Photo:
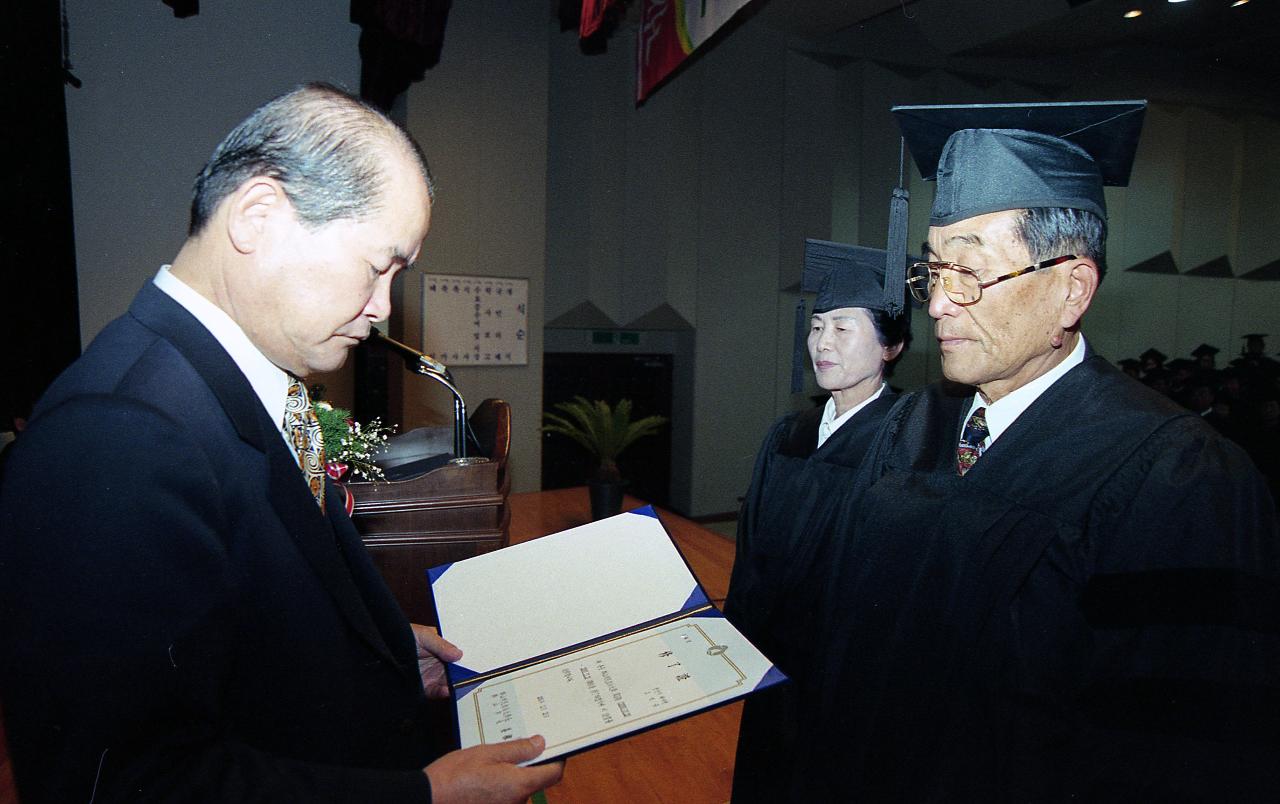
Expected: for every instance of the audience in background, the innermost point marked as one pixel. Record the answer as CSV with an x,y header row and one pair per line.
x,y
1241,400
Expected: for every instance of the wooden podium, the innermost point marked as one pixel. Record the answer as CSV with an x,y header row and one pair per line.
x,y
447,514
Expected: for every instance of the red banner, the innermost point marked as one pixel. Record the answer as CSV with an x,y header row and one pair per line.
x,y
592,16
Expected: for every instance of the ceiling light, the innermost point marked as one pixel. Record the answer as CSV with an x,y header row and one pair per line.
x,y
1239,3
1177,1
1133,13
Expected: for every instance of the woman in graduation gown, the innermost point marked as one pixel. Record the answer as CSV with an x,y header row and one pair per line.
x,y
806,463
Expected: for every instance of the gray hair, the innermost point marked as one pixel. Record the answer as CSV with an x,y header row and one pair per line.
x,y
1050,232
327,148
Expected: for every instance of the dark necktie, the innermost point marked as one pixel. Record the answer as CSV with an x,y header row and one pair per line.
x,y
975,432
303,429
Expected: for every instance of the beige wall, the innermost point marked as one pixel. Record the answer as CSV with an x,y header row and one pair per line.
x,y
699,199
679,202
158,94
481,117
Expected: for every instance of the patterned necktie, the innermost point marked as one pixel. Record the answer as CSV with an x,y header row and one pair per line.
x,y
975,432
303,429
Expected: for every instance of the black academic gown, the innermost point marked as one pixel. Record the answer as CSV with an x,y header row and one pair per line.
x,y
1088,614
796,488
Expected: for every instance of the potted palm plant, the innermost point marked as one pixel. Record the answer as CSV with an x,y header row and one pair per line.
x,y
604,431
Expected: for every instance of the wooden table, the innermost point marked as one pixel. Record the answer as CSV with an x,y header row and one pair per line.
x,y
688,762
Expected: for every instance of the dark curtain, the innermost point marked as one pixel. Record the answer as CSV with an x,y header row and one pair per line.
x,y
399,41
38,301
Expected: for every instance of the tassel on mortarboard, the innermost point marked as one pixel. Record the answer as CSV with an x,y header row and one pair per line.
x,y
799,349
896,248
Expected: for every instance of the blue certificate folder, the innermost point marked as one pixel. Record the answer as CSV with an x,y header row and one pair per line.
x,y
587,636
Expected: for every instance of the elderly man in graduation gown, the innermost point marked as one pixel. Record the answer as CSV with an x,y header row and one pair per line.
x,y
1052,584
186,611
804,468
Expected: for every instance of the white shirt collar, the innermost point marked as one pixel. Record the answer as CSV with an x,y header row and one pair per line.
x,y
269,381
830,422
1005,411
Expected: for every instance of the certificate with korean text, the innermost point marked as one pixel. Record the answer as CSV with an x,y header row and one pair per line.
x,y
586,636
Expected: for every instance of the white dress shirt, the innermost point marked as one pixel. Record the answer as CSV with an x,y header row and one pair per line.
x,y
269,381
830,422
1004,411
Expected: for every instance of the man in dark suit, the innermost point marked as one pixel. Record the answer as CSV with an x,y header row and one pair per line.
x,y
186,612
1050,583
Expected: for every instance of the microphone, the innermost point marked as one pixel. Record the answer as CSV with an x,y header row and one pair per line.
x,y
428,366
416,361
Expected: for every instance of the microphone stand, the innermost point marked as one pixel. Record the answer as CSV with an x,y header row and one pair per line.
x,y
428,366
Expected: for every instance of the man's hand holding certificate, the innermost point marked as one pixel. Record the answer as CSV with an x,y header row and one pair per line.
x,y
586,636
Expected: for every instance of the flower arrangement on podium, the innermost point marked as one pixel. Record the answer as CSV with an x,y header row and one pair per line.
x,y
349,446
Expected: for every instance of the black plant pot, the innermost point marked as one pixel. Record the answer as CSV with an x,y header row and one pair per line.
x,y
606,497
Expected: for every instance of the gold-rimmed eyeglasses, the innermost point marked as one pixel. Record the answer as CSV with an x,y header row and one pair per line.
x,y
961,284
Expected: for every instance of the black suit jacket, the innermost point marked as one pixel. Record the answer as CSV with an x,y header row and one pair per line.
x,y
178,619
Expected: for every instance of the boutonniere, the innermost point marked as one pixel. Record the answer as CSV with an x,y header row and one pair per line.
x,y
349,446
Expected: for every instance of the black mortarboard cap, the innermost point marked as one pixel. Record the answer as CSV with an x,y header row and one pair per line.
x,y
996,157
1153,354
1203,350
1129,363
1252,336
843,276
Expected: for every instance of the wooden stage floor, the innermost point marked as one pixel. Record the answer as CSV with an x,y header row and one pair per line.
x,y
689,762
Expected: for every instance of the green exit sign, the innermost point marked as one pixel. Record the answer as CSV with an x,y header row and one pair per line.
x,y
629,338
598,336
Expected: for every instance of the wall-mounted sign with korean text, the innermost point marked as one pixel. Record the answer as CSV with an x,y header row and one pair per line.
x,y
476,320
